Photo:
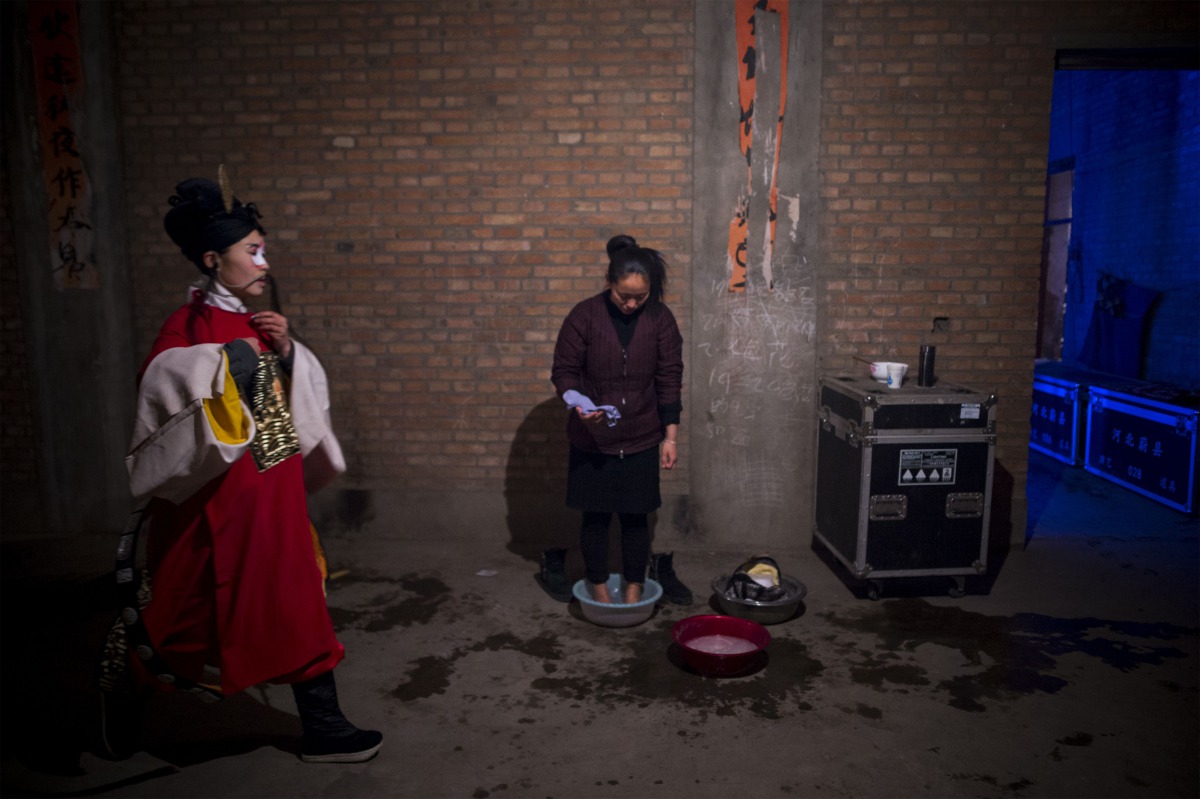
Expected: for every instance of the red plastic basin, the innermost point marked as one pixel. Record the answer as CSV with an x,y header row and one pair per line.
x,y
721,646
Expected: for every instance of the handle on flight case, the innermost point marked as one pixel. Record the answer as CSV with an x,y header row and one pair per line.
x,y
888,507
845,429
964,506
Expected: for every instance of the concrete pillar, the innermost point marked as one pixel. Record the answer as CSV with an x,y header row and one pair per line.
x,y
753,352
80,341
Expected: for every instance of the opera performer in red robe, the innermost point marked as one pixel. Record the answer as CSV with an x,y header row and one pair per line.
x,y
232,432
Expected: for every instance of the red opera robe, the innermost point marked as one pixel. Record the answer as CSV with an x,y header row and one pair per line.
x,y
234,577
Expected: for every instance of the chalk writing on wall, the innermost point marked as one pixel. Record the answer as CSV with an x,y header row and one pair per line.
x,y
58,80
748,64
751,351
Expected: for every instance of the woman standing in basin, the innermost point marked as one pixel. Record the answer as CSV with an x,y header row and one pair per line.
x,y
619,362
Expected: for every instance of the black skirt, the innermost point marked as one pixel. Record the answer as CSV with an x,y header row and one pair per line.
x,y
607,483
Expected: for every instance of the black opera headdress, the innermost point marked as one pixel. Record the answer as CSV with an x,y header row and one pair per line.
x,y
206,216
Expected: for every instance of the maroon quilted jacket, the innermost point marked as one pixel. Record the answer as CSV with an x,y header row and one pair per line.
x,y
588,357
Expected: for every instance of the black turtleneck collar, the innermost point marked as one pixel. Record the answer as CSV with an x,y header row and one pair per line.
x,y
623,322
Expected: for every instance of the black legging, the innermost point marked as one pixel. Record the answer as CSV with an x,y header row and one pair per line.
x,y
635,545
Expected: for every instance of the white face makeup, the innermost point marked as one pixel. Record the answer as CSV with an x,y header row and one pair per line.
x,y
260,256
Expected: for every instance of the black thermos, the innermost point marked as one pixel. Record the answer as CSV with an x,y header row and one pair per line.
x,y
925,366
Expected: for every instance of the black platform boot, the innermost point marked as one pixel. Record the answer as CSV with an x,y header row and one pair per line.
x,y
553,576
328,736
662,571
121,721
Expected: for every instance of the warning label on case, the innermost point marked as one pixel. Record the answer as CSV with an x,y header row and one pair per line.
x,y
928,466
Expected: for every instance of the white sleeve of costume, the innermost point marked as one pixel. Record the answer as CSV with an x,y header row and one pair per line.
x,y
174,450
309,401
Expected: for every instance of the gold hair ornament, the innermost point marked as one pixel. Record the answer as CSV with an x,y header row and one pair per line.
x,y
226,191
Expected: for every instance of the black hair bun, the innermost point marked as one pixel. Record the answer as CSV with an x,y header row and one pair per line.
x,y
618,243
204,193
193,206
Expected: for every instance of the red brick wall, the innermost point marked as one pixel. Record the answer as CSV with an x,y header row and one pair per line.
x,y
935,127
439,178
438,181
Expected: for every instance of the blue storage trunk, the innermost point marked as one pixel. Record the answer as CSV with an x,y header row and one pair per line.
x,y
1145,439
1056,418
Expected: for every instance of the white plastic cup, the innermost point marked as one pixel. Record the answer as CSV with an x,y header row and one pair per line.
x,y
895,374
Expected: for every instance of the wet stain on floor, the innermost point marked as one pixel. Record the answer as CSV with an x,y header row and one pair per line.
x,y
648,674
887,670
644,675
1014,787
1078,739
411,599
1007,656
544,646
429,676
1001,657
868,712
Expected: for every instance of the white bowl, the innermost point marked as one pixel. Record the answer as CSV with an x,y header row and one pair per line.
x,y
617,614
879,370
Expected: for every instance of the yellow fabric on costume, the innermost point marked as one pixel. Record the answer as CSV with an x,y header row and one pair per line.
x,y
229,422
319,551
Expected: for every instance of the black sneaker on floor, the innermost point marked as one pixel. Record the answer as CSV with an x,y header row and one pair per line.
x,y
357,747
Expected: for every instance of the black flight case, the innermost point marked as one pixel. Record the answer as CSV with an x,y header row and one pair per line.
x,y
904,479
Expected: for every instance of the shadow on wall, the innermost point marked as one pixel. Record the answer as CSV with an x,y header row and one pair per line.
x,y
535,483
